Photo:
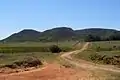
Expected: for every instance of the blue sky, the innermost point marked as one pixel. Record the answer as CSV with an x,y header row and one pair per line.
x,y
16,15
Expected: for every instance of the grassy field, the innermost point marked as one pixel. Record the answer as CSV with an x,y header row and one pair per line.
x,y
105,46
35,46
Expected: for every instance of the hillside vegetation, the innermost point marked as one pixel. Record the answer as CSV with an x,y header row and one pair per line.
x,y
64,34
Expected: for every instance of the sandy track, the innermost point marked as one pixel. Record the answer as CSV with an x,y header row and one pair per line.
x,y
75,52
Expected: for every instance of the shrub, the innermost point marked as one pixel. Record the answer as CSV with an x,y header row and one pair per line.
x,y
93,57
27,62
105,59
97,57
55,49
114,47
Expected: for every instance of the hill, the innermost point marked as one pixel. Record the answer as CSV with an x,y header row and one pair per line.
x,y
64,34
103,34
58,34
24,35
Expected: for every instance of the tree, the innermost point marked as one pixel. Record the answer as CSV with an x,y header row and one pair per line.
x,y
55,49
90,38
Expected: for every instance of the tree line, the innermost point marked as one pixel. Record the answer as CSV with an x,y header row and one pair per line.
x,y
91,38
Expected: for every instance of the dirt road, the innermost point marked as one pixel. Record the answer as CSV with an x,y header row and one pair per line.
x,y
50,72
85,64
66,55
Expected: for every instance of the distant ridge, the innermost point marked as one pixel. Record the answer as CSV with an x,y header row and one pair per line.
x,y
62,34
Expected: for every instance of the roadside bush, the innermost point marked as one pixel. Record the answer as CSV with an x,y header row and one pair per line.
x,y
55,49
97,57
112,60
27,62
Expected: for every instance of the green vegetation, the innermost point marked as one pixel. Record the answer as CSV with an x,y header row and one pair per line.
x,y
55,49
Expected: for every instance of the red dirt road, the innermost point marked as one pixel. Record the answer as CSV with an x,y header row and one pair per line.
x,y
51,72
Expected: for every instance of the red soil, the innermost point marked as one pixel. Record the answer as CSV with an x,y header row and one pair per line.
x,y
50,72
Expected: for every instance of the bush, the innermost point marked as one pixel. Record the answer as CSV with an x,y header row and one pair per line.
x,y
105,59
55,49
97,57
27,62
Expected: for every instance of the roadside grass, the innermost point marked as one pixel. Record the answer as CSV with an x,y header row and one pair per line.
x,y
83,55
9,58
104,75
